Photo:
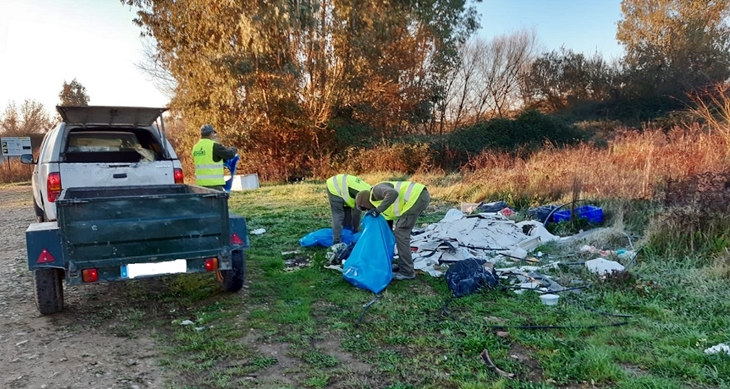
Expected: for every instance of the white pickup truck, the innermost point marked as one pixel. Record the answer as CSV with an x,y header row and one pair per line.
x,y
97,146
112,206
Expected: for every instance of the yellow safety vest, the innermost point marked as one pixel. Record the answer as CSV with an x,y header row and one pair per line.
x,y
339,186
408,193
207,171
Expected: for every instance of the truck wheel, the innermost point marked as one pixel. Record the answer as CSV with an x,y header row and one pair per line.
x,y
40,217
48,290
232,280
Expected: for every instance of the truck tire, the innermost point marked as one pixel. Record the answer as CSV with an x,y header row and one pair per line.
x,y
48,290
232,280
40,216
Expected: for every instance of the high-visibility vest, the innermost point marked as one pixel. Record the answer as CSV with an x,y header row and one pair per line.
x,y
340,185
207,171
408,193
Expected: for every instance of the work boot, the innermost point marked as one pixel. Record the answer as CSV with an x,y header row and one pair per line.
x,y
403,277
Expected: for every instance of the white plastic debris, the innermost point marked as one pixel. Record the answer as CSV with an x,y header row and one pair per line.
x,y
603,266
720,348
186,323
258,231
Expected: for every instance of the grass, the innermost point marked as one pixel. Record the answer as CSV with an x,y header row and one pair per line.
x,y
299,329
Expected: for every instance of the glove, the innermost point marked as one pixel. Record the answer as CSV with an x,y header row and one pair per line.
x,y
373,212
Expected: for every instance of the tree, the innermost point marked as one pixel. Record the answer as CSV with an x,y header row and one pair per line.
x,y
674,46
73,94
272,76
562,78
486,81
30,118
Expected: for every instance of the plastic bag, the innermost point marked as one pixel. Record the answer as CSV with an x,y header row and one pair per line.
x,y
324,237
369,264
468,276
231,166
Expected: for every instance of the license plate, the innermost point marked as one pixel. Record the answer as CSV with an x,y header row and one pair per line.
x,y
149,269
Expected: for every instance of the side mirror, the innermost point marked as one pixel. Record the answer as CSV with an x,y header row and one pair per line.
x,y
27,159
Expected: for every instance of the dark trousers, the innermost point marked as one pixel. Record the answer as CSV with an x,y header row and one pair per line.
x,y
342,217
403,227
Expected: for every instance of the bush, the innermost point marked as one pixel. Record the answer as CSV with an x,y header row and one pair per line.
x,y
528,131
14,171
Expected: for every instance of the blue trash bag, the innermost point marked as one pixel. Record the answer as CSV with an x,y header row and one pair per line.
x,y
323,237
369,264
231,166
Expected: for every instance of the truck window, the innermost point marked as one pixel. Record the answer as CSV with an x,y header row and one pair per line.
x,y
108,146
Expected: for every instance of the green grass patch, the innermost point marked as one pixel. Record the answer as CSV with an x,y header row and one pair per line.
x,y
300,328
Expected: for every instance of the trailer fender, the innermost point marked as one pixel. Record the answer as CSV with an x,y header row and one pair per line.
x,y
44,247
239,232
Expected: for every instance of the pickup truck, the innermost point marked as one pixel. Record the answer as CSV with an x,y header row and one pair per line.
x,y
101,146
125,231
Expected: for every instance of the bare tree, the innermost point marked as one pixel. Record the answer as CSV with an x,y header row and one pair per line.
x,y
30,118
487,83
507,56
150,64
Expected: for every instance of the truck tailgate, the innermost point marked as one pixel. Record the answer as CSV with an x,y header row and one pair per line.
x,y
100,174
139,224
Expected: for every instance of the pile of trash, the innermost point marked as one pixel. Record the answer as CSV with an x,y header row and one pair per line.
x,y
484,236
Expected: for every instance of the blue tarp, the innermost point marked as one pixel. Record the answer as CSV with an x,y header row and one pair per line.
x,y
323,237
369,264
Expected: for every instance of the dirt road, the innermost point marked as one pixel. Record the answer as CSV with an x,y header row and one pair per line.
x,y
80,347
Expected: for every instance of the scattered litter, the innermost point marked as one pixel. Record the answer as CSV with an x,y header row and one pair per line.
x,y
592,213
335,252
198,329
603,266
485,235
258,231
324,237
549,299
296,263
334,267
186,323
527,286
507,212
720,348
470,275
488,361
290,252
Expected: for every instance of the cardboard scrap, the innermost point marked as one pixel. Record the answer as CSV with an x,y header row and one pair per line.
x,y
457,237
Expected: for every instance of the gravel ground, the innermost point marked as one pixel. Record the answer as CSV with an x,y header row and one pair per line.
x,y
80,347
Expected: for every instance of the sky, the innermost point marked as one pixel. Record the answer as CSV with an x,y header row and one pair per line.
x,y
44,43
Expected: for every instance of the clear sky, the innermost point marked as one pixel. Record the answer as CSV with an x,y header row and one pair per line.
x,y
46,42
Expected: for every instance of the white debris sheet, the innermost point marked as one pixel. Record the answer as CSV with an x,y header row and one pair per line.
x,y
486,235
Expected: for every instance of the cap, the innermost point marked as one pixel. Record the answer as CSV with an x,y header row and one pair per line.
x,y
362,200
206,130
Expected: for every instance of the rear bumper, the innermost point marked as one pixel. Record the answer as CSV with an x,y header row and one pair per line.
x,y
124,272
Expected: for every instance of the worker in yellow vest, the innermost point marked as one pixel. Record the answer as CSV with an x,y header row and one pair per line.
x,y
402,201
208,156
341,192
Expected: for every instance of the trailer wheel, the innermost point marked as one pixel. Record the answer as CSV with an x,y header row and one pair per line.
x,y
232,280
48,290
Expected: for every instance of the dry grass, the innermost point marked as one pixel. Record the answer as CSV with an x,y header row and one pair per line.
x,y
633,166
14,171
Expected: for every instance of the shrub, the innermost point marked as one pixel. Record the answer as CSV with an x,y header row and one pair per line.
x,y
14,171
